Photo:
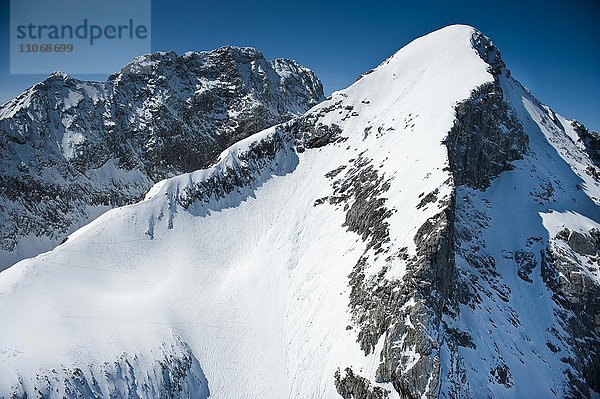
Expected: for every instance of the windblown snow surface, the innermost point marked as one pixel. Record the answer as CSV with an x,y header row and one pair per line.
x,y
232,282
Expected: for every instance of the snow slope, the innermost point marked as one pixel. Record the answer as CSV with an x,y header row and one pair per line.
x,y
260,276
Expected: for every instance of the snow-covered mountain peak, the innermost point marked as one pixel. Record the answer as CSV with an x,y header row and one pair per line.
x,y
239,55
432,231
58,75
443,57
369,112
242,54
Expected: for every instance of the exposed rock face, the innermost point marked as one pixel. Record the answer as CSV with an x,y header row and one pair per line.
x,y
353,386
250,167
70,149
411,352
564,263
489,53
174,373
310,133
486,135
590,141
485,138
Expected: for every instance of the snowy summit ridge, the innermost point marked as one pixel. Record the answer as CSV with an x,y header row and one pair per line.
x,y
431,231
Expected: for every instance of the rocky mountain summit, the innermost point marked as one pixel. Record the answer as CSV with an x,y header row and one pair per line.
x,y
71,149
432,231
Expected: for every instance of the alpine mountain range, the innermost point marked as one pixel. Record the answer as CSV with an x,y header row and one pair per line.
x,y
209,225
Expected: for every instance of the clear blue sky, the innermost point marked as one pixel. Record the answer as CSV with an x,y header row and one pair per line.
x,y
552,47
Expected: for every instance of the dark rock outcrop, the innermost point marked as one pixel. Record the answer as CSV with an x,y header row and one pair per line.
x,y
485,138
590,141
578,297
353,386
489,53
174,372
429,282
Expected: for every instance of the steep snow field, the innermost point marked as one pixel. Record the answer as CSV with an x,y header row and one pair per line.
x,y
251,288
